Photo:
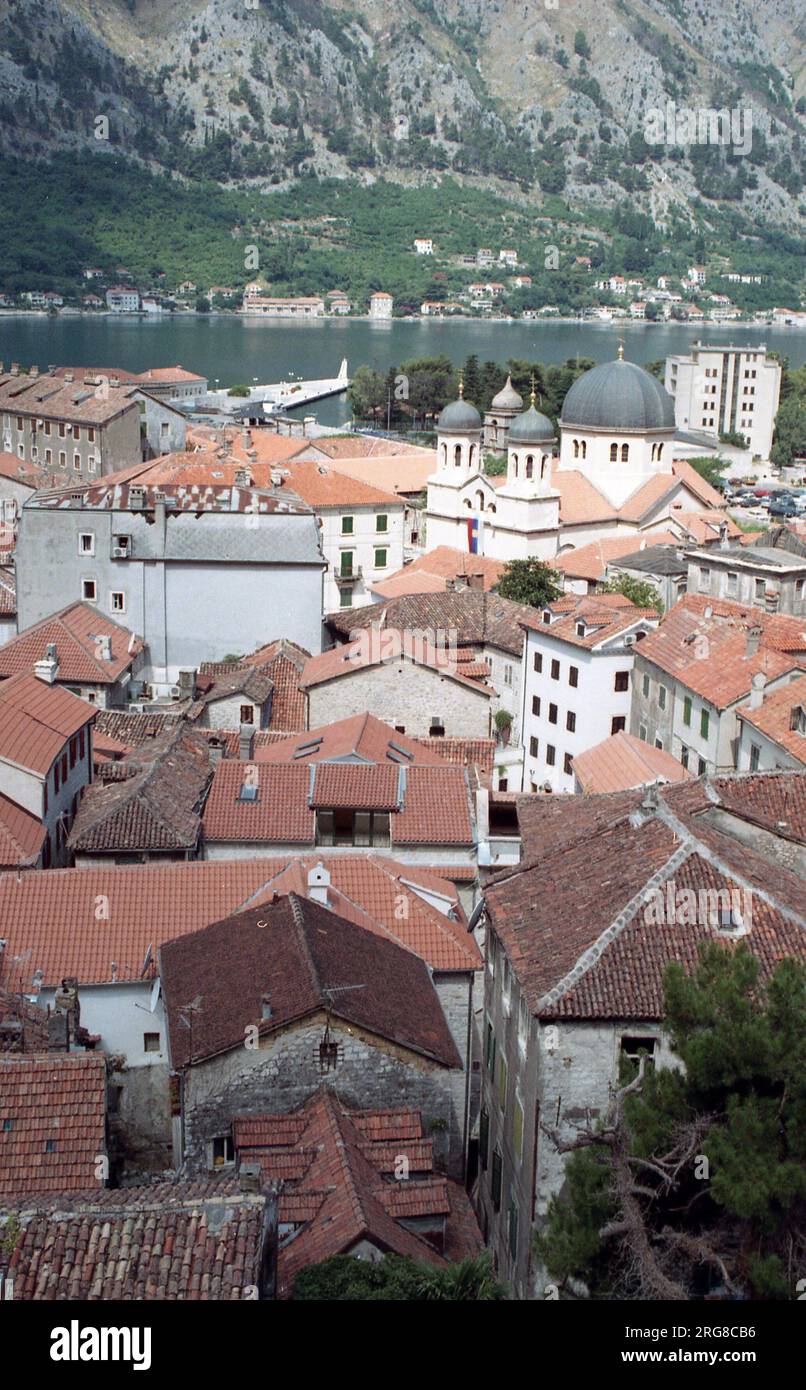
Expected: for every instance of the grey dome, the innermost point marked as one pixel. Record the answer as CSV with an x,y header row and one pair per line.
x,y
459,417
618,396
507,398
531,428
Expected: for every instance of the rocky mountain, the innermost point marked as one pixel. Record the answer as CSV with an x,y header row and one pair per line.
x,y
532,98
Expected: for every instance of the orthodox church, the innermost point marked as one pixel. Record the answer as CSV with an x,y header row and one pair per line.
x,y
615,471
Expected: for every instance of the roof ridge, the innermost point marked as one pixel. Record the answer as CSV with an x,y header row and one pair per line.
x,y
298,919
592,955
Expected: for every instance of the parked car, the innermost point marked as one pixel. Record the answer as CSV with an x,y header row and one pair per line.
x,y
785,506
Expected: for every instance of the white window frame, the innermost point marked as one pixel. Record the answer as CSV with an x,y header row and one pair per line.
x,y
90,536
117,593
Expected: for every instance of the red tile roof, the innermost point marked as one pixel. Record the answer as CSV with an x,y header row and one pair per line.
x,y
50,919
8,592
705,646
183,1241
75,632
295,950
56,1105
591,561
37,720
378,648
154,803
435,807
323,488
773,718
431,573
603,619
573,917
21,836
361,736
624,761
468,619
338,1190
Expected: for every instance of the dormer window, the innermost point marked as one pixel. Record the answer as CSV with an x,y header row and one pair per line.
x,y
547,615
797,720
581,629
248,792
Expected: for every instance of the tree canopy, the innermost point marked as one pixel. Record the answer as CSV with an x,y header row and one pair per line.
x,y
695,1180
638,591
529,581
396,1278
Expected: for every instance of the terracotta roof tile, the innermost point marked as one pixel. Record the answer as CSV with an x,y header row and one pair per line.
x,y
360,736
432,572
75,632
470,618
52,1122
154,803
624,761
295,950
50,918
37,720
21,836
144,1243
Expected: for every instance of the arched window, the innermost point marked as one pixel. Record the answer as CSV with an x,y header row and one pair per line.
x,y
472,456
654,447
515,465
625,452
576,448
614,453
660,450
444,456
584,448
543,466
530,466
480,500
457,455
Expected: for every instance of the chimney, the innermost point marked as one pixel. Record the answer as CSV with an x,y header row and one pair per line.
x,y
475,581
318,884
243,478
249,1177
724,543
33,370
187,683
15,369
48,668
137,496
307,425
483,814
757,690
216,748
69,376
246,742
753,641
65,1002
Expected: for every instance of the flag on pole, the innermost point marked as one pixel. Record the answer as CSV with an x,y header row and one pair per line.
x,y
475,533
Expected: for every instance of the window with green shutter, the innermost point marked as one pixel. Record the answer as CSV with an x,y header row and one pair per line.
x,y
484,1137
347,526
687,710
703,723
380,559
513,1227
517,1129
495,1181
490,1049
502,1081
381,523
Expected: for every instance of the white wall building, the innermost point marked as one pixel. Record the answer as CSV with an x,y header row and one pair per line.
x,y
576,681
719,390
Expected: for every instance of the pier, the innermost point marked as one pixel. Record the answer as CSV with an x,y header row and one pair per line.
x,y
278,396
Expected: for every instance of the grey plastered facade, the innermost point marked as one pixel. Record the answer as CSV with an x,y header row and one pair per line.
x,y
196,585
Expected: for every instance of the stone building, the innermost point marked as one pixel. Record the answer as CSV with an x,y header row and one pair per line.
x,y
770,575
575,963
66,424
306,995
707,660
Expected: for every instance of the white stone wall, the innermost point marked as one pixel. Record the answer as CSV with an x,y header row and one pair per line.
x,y
403,694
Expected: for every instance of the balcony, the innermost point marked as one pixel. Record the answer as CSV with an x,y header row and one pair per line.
x,y
347,574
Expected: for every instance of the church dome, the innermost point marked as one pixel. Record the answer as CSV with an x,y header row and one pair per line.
x,y
618,396
507,398
531,428
460,417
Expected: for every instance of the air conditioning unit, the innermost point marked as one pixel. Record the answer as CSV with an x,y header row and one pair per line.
x,y
120,552
175,692
629,641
